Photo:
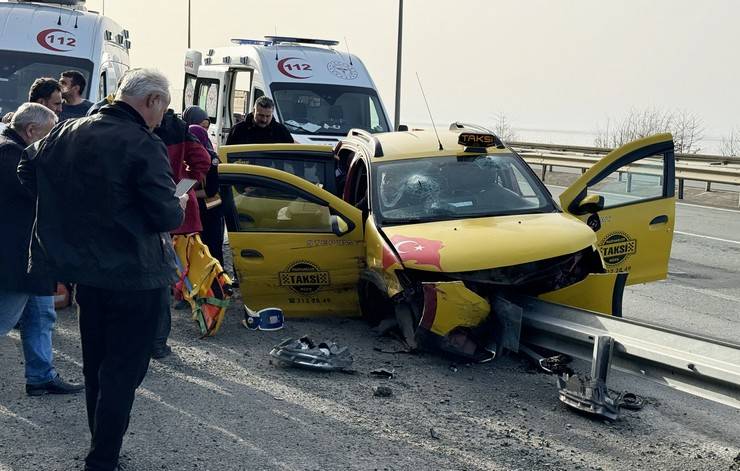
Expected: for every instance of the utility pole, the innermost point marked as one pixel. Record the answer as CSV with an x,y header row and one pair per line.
x,y
397,119
188,24
103,7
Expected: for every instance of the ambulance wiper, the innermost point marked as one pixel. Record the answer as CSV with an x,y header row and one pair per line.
x,y
308,127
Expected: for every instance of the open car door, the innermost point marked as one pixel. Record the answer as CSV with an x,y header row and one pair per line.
x,y
628,199
295,245
314,163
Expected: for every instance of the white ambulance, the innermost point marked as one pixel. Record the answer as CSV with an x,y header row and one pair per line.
x,y
45,38
320,92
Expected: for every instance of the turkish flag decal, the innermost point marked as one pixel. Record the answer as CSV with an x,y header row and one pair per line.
x,y
417,249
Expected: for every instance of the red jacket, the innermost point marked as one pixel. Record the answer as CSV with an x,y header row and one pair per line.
x,y
189,159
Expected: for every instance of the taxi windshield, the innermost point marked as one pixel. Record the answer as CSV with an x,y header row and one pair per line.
x,y
328,109
456,187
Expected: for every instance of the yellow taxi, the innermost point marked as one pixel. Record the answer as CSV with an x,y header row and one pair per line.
x,y
435,230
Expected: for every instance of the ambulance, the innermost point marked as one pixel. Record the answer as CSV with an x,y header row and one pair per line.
x,y
45,38
320,92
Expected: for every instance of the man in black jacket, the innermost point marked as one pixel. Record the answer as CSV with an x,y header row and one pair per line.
x,y
23,297
105,207
259,127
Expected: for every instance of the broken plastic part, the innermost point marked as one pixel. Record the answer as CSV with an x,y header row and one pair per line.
x,y
326,356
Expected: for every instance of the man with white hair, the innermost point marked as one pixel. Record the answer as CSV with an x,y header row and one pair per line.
x,y
106,204
23,297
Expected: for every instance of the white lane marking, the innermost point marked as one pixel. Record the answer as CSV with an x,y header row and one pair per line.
x,y
691,205
708,237
4,411
712,293
708,207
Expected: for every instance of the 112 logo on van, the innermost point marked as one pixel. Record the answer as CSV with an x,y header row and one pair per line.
x,y
294,67
57,40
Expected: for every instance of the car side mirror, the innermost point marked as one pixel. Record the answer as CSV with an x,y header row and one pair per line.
x,y
402,127
591,204
339,226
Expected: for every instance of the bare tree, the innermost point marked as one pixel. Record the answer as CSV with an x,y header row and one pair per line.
x,y
502,128
730,144
686,127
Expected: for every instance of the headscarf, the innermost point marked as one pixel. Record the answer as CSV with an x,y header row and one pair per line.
x,y
202,135
194,115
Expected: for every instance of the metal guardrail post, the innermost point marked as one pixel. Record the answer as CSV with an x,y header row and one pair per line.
x,y
709,187
629,182
680,188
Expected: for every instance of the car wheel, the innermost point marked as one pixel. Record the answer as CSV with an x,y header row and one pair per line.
x,y
374,305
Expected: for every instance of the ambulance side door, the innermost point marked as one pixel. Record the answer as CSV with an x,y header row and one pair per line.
x,y
210,95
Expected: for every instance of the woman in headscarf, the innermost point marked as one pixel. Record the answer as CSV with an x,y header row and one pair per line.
x,y
209,203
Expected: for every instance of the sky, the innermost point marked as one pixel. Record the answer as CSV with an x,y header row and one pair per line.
x,y
556,69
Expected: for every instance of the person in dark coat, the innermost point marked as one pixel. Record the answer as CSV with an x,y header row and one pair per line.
x,y
259,127
22,296
105,206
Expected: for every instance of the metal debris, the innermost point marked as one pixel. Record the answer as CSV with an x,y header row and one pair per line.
x,y
303,352
383,373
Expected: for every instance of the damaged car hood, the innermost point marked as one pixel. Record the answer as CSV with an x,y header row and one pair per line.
x,y
490,242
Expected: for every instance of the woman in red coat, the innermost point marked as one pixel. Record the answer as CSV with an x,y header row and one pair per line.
x,y
188,159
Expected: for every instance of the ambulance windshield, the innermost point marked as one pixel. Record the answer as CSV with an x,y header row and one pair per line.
x,y
328,109
18,70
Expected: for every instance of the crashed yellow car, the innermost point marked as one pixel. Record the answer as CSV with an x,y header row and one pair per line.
x,y
436,231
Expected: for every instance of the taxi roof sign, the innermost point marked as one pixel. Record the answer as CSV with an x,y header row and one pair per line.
x,y
478,140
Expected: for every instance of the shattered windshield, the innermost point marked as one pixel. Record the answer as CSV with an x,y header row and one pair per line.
x,y
456,187
18,70
328,109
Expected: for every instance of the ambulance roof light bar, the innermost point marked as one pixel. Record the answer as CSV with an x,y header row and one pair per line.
x,y
250,42
290,39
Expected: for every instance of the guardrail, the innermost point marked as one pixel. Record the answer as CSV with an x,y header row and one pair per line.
x,y
694,167
702,366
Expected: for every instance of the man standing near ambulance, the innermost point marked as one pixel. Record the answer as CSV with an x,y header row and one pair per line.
x,y
260,127
105,206
73,86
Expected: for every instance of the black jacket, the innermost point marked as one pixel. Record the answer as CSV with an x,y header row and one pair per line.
x,y
17,212
105,202
247,132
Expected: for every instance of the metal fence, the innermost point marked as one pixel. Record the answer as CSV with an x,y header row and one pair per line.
x,y
694,167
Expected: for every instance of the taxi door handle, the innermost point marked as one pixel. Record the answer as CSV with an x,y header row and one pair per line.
x,y
251,253
662,219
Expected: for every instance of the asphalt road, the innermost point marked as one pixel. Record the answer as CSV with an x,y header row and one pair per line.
x,y
220,404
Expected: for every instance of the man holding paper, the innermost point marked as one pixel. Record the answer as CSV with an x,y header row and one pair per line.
x,y
105,206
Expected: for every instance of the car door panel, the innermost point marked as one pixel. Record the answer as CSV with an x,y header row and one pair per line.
x,y
635,228
285,251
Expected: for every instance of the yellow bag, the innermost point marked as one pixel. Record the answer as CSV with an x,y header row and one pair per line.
x,y
203,283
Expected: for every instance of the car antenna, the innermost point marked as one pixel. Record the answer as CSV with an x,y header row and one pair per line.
x,y
346,43
76,16
276,44
430,112
59,20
